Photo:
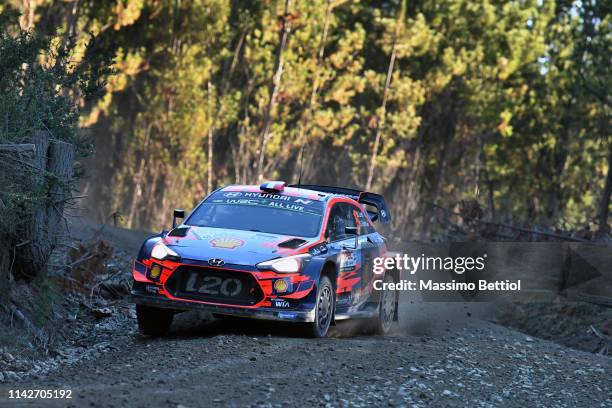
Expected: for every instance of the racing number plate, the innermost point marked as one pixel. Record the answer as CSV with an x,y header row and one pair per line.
x,y
213,285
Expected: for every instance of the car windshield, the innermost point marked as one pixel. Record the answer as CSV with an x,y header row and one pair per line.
x,y
261,212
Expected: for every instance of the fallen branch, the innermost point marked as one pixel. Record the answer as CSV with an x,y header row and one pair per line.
x,y
84,258
116,290
512,227
606,339
543,233
605,301
65,200
28,148
600,334
33,329
103,281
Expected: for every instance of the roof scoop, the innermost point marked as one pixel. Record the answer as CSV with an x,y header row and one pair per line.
x,y
272,186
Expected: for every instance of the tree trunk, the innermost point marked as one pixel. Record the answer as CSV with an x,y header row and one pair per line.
x,y
244,153
5,264
61,163
211,132
405,183
136,196
383,108
225,85
273,91
438,176
306,116
73,19
53,166
139,179
27,17
491,196
604,206
32,253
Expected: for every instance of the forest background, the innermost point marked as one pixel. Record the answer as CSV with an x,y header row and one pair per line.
x,y
432,103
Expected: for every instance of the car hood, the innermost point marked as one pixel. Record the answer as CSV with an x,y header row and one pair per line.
x,y
233,246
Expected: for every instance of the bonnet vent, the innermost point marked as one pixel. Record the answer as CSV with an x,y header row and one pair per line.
x,y
292,243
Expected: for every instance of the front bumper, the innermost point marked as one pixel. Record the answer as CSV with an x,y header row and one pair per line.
x,y
266,313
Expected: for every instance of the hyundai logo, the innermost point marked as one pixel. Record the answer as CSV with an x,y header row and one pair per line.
x,y
216,262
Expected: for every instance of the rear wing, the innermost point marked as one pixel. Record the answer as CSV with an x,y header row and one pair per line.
x,y
375,200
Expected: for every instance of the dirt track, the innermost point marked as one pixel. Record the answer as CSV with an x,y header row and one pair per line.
x,y
245,364
444,355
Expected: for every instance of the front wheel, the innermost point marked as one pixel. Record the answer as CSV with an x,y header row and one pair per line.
x,y
324,309
153,321
387,309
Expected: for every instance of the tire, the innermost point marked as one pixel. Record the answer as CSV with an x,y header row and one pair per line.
x,y
153,321
324,309
387,309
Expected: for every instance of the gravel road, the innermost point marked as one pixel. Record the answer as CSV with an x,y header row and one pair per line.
x,y
442,355
238,363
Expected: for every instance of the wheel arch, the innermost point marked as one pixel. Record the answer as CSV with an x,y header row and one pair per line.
x,y
330,269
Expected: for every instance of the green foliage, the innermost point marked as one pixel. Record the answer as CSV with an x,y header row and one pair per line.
x,y
41,88
506,102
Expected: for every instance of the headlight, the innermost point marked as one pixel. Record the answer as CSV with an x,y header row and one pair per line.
x,y
290,264
161,252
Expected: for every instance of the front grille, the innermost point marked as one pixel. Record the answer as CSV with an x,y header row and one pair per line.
x,y
214,285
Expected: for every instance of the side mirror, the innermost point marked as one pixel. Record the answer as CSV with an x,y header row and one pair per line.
x,y
353,231
177,214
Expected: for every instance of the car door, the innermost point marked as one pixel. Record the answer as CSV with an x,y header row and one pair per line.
x,y
350,291
369,247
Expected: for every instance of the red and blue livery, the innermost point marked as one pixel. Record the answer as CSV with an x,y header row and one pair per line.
x,y
299,253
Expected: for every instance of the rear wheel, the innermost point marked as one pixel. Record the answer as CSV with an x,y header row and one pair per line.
x,y
324,309
153,321
387,308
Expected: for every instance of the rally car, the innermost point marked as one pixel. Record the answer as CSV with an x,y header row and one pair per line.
x,y
298,253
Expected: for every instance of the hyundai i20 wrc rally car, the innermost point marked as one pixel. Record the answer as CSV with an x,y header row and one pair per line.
x,y
299,254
